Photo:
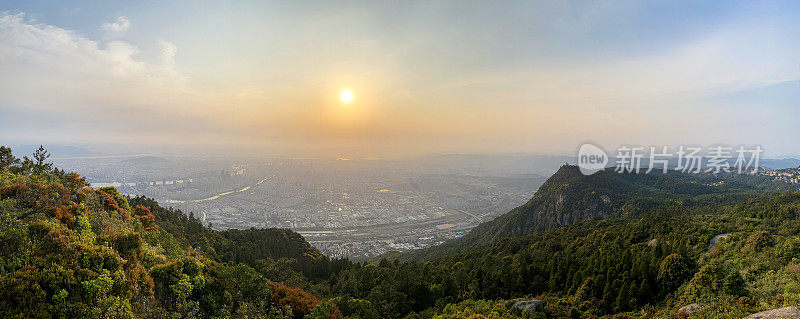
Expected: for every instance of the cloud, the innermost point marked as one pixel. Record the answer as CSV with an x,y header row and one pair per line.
x,y
118,26
418,90
168,51
59,76
120,55
29,48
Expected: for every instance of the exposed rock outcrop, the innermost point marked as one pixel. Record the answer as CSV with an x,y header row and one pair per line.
x,y
716,240
780,313
689,308
527,305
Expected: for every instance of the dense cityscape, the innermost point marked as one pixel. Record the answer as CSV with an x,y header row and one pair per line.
x,y
352,208
345,208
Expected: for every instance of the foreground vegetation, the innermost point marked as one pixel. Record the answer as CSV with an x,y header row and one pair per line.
x,y
68,251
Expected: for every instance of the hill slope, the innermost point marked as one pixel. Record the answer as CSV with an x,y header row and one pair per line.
x,y
633,245
569,196
69,251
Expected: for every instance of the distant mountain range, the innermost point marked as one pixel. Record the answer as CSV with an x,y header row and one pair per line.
x,y
55,150
145,160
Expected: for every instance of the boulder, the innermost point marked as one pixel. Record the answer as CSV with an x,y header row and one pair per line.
x,y
780,313
527,305
689,308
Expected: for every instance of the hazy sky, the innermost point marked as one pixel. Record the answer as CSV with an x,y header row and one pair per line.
x,y
442,76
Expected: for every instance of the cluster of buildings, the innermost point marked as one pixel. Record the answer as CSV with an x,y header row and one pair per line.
x,y
344,208
789,175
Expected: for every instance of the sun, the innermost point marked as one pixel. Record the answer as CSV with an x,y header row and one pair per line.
x,y
346,96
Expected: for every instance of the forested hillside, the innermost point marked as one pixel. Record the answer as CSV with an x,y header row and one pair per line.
x,y
648,264
68,251
615,245
569,196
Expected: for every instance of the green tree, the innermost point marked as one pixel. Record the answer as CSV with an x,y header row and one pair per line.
x,y
7,159
672,272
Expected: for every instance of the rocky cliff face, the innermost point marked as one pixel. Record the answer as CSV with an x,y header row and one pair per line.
x,y
565,198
